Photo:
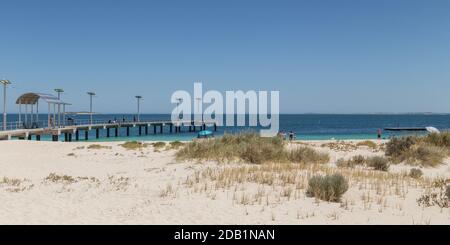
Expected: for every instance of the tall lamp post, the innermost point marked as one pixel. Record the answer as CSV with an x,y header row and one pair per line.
x,y
138,97
91,94
59,91
5,82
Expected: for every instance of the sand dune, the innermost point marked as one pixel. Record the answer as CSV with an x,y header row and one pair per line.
x,y
67,183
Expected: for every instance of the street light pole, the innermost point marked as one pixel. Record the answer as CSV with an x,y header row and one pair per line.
x,y
138,97
5,82
59,91
90,105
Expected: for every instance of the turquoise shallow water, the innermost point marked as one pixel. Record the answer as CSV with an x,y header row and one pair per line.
x,y
306,126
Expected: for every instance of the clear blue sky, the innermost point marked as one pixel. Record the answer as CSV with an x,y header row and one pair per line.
x,y
323,56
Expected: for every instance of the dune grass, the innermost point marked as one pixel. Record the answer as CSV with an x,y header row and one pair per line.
x,y
272,183
340,145
176,144
305,154
248,147
375,162
98,147
10,181
358,160
53,177
368,143
133,145
440,140
428,150
159,144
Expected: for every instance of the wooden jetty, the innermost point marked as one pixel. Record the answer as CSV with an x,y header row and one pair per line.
x,y
57,124
112,129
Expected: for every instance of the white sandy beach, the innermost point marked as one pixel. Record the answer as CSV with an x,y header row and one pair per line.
x,y
118,186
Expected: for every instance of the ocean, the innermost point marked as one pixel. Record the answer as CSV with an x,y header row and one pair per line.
x,y
305,126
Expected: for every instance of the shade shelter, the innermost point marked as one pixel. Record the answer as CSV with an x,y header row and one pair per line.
x,y
31,119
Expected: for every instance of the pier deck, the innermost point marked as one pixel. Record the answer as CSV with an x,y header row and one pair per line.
x,y
68,130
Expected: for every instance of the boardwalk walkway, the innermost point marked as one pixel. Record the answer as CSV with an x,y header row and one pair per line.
x,y
69,130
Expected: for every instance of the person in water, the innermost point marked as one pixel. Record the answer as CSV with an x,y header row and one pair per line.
x,y
379,133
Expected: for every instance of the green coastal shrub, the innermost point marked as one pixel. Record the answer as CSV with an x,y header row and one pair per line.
x,y
397,148
378,163
415,173
328,188
429,150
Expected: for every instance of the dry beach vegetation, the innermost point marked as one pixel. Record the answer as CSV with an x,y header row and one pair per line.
x,y
234,179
